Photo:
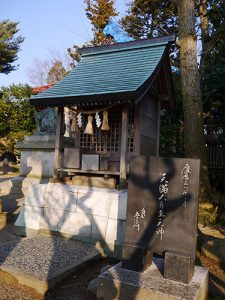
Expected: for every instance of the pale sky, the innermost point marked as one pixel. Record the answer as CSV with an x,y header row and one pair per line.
x,y
48,26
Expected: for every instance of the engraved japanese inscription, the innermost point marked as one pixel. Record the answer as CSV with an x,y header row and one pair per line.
x,y
163,204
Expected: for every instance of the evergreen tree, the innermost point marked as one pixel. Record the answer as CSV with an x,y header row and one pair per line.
x,y
9,46
99,13
213,72
56,72
150,18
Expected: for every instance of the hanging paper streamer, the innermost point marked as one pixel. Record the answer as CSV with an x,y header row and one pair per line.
x,y
67,121
98,120
105,122
79,120
89,127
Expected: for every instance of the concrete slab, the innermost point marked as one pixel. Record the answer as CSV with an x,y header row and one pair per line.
x,y
42,261
118,283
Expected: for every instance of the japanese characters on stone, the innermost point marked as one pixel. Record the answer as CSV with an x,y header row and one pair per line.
x,y
137,218
163,190
185,173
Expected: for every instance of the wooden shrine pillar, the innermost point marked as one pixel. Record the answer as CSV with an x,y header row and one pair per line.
x,y
59,141
124,146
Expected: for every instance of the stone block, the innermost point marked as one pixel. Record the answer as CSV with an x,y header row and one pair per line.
x,y
99,226
98,182
60,198
136,258
90,162
37,163
95,203
115,231
162,203
178,267
71,158
118,207
104,162
57,187
29,217
118,283
51,218
76,211
76,224
40,138
35,195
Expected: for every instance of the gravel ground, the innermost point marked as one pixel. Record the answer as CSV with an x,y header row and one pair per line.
x,y
74,287
41,256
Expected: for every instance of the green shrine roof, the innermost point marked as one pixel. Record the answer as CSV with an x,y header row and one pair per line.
x,y
118,71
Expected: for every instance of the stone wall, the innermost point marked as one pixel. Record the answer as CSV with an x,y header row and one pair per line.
x,y
84,213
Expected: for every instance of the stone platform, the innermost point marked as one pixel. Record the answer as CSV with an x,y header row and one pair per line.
x,y
40,262
119,283
88,214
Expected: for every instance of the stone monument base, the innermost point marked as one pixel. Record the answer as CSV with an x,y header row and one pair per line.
x,y
37,156
119,283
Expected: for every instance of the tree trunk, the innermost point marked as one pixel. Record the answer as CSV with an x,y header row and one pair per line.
x,y
204,22
190,88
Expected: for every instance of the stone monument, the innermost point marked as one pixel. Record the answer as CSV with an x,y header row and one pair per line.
x,y
37,151
161,220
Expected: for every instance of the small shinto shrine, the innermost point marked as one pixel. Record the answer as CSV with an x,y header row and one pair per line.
x,y
108,107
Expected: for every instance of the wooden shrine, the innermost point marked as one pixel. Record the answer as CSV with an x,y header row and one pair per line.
x,y
109,106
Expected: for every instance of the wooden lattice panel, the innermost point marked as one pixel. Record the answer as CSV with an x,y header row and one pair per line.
x,y
107,141
114,133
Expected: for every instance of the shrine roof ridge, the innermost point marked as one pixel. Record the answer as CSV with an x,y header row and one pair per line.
x,y
156,41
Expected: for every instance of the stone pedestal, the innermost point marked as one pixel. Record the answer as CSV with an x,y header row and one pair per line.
x,y
37,156
89,214
119,283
